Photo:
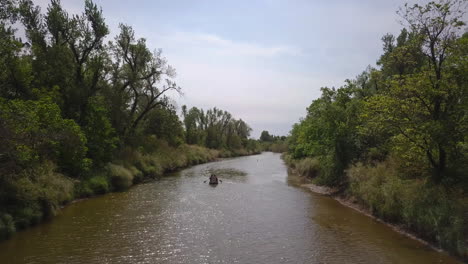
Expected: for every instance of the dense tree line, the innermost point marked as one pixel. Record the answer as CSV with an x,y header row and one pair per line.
x,y
396,136
273,143
215,128
265,136
81,115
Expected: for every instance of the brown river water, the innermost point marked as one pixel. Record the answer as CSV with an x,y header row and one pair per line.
x,y
261,217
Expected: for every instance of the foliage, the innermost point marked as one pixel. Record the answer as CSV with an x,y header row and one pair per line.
x,y
80,117
215,129
34,193
101,136
34,131
121,177
327,132
431,211
273,143
413,107
164,123
309,167
396,136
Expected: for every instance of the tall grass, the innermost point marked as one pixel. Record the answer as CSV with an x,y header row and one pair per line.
x,y
278,146
121,177
432,211
43,190
308,167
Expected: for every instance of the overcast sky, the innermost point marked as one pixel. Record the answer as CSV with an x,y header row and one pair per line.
x,y
263,61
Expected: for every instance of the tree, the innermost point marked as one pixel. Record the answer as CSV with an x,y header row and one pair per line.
x,y
68,52
423,107
215,128
140,78
34,132
165,124
265,136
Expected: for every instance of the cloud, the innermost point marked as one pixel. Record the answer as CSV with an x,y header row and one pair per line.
x,y
267,99
223,46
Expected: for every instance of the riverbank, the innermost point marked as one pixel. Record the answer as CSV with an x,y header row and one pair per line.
x,y
355,194
43,197
351,202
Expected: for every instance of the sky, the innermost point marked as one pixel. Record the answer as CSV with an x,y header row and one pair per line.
x,y
264,61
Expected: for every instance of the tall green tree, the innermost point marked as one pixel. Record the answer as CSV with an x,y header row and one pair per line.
x,y
423,108
140,80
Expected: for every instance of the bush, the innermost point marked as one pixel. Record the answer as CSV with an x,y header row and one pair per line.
x,y
150,166
101,136
137,174
276,146
98,184
378,187
121,178
432,211
36,193
7,226
83,189
196,154
27,216
35,132
309,167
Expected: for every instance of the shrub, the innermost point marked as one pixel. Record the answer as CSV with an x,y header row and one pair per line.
x,y
98,184
7,226
36,193
150,166
101,136
308,167
137,174
35,132
432,211
28,215
83,189
121,178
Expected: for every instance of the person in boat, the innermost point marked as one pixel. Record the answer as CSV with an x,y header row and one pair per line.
x,y
213,179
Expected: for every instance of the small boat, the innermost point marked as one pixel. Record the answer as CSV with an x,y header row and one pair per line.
x,y
213,179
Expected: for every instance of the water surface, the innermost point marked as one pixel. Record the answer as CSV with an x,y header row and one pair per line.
x,y
260,217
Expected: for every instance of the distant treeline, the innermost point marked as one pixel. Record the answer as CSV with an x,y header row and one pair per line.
x,y
79,116
396,136
273,143
216,129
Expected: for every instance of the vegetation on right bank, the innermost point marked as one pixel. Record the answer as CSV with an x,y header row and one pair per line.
x,y
396,136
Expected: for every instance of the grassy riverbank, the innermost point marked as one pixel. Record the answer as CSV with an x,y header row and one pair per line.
x,y
432,213
38,194
81,116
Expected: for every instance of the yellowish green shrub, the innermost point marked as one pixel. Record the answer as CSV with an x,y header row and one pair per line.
x,y
121,177
432,211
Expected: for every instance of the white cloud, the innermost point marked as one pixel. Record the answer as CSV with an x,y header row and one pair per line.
x,y
223,46
267,99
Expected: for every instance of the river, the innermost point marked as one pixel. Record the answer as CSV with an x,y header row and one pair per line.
x,y
261,217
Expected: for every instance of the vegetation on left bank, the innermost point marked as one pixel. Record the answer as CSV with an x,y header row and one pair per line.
x,y
80,116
